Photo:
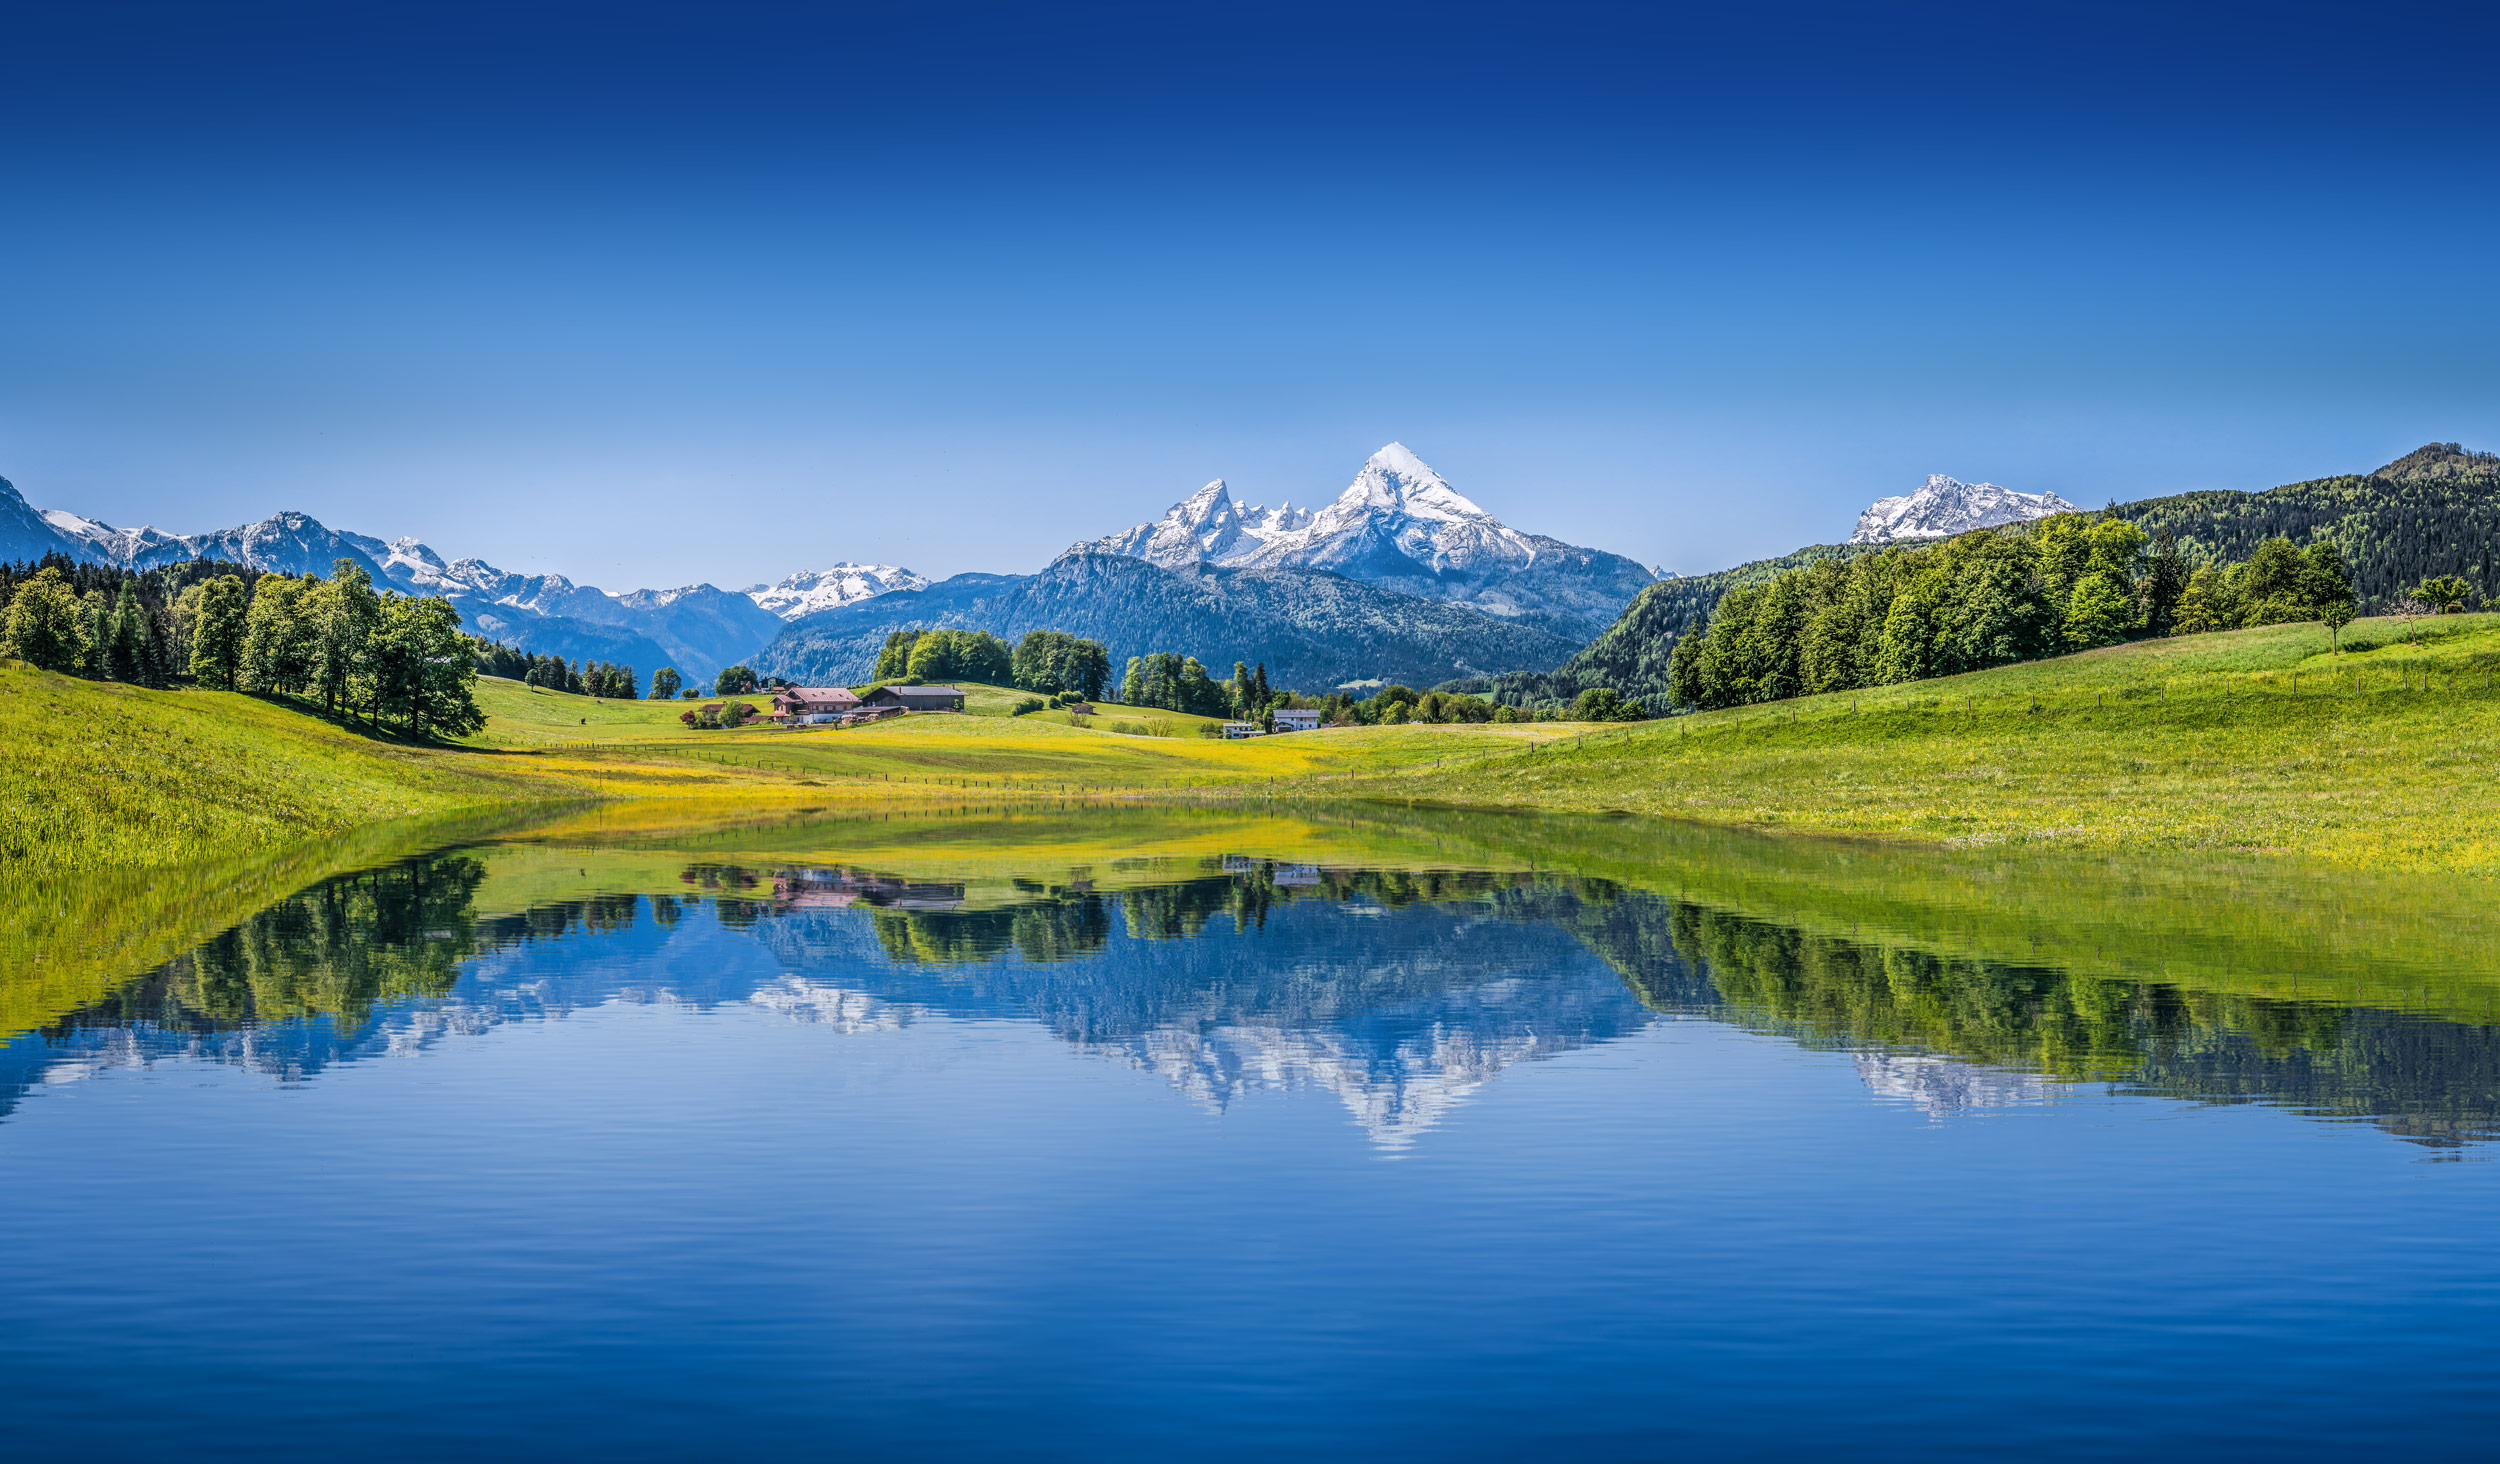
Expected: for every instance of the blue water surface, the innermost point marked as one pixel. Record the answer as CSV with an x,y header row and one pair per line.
x,y
1320,1175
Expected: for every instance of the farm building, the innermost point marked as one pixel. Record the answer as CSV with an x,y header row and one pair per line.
x,y
1298,720
795,702
917,698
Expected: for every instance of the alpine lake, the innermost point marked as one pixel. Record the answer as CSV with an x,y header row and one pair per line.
x,y
662,1132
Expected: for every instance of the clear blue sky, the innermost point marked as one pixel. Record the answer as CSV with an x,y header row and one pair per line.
x,y
649,295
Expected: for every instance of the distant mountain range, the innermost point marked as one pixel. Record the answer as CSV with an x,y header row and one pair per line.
x,y
1399,578
1944,506
1312,629
1399,526
697,628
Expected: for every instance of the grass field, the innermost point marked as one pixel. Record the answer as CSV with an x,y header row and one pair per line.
x,y
104,776
2258,741
2255,741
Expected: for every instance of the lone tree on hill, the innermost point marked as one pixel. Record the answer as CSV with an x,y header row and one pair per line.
x,y
664,684
2446,593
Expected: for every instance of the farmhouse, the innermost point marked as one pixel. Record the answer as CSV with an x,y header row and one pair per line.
x,y
794,702
1298,719
917,698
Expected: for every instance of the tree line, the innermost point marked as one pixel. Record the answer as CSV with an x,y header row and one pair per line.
x,y
1048,661
584,677
1986,598
394,659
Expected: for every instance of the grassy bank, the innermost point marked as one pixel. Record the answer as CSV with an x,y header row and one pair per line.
x,y
101,776
2257,741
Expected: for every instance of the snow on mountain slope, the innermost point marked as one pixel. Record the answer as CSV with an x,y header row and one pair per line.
x,y
1402,526
121,546
26,535
1943,506
846,583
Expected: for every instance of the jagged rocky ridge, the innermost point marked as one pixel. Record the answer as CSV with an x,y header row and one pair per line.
x,y
1400,526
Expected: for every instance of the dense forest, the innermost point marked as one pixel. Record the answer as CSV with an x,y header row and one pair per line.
x,y
1981,599
394,659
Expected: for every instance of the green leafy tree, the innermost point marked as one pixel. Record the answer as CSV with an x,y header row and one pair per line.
x,y
664,684
733,680
421,675
2100,611
1598,704
46,624
2210,602
345,613
217,638
894,660
2446,593
281,634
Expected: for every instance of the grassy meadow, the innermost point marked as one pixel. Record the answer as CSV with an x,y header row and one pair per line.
x,y
2258,741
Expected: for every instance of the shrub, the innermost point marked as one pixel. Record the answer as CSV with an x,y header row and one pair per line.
x,y
1029,704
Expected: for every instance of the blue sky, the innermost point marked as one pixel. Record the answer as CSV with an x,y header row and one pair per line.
x,y
650,295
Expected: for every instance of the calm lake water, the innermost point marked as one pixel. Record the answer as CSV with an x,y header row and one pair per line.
x,y
1115,1135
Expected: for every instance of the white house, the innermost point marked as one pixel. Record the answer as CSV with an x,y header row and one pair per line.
x,y
1298,719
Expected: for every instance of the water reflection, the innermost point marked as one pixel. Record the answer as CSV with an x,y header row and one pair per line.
x,y
1401,991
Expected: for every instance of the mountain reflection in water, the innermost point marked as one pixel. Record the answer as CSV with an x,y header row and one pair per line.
x,y
1401,992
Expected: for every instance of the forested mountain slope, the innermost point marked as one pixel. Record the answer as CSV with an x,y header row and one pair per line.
x,y
2434,511
1313,630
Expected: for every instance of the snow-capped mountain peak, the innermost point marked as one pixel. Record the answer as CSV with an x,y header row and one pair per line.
x,y
1399,525
1394,480
1944,506
812,590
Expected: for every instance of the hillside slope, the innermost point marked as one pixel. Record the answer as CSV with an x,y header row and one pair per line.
x,y
2434,511
2201,742
1313,630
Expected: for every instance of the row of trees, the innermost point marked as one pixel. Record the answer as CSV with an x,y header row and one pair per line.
x,y
1048,661
395,659
105,621
580,678
1983,599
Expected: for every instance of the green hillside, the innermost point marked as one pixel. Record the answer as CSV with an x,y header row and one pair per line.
x,y
2256,741
2434,511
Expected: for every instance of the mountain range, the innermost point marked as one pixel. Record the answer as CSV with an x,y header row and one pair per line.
x,y
1399,578
1399,526
1310,628
696,628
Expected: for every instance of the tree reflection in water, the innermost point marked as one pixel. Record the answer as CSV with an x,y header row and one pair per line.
x,y
1400,990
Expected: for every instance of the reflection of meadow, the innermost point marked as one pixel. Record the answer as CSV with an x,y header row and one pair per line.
x,y
1403,989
